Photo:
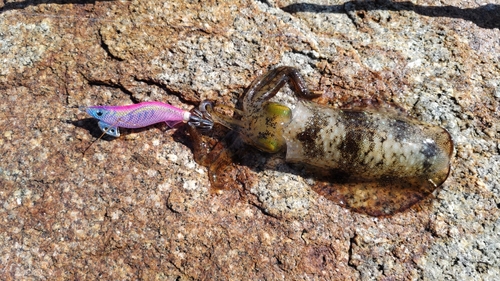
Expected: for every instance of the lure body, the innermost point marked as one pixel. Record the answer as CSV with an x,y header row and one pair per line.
x,y
381,162
136,116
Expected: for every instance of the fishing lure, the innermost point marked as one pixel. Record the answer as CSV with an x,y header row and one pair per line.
x,y
141,115
371,156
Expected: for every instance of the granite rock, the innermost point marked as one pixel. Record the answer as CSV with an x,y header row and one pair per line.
x,y
140,207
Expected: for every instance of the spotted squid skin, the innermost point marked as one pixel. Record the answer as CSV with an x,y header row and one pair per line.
x,y
377,162
367,144
361,143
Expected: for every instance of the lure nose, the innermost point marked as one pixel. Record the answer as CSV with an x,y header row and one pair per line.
x,y
96,112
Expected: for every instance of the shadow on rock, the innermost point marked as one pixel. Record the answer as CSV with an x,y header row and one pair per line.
x,y
486,16
21,5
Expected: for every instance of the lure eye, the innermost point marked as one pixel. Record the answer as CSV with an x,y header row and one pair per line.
x,y
99,113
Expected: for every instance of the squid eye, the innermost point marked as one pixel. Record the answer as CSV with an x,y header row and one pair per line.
x,y
99,113
271,145
278,111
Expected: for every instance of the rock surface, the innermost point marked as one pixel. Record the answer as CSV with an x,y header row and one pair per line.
x,y
139,207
